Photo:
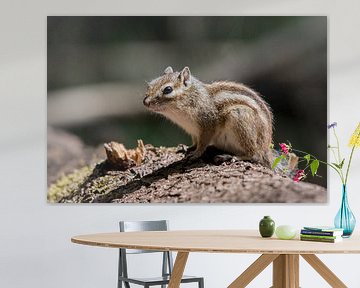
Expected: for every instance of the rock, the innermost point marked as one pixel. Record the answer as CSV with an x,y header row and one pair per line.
x,y
165,176
66,152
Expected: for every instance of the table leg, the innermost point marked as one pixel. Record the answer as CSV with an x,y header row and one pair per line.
x,y
178,269
286,271
253,270
324,271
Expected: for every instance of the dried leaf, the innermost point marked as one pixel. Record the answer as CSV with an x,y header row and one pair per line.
x,y
123,158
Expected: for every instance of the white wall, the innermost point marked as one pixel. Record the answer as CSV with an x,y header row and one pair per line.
x,y
35,248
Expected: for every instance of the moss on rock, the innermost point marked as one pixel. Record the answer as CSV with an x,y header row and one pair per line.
x,y
68,184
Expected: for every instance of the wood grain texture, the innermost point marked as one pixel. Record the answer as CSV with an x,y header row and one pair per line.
x,y
279,269
293,268
286,271
253,270
217,241
178,269
324,271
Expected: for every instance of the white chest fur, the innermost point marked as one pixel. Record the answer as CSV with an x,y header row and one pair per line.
x,y
185,122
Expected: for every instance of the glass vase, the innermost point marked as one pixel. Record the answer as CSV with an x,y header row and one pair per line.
x,y
345,219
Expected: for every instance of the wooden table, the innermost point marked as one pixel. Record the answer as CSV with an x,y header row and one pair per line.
x,y
284,254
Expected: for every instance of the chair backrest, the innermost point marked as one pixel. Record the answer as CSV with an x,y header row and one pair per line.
x,y
134,226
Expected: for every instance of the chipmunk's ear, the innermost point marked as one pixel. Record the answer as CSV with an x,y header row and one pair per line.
x,y
185,76
168,70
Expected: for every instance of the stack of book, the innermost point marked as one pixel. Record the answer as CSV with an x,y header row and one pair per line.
x,y
321,234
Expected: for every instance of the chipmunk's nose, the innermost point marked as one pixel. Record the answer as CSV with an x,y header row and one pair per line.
x,y
146,101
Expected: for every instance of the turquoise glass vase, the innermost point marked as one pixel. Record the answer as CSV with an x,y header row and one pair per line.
x,y
345,219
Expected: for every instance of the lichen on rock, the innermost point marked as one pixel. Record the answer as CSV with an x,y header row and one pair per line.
x,y
67,184
164,175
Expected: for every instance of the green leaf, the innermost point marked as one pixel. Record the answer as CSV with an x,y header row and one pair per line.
x,y
339,166
342,164
307,157
277,161
314,167
336,165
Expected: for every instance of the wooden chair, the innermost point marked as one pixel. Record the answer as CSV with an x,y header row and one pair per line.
x,y
167,262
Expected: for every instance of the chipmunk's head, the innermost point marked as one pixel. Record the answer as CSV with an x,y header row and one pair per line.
x,y
165,91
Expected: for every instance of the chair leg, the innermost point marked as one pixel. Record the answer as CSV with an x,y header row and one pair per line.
x,y
201,283
120,273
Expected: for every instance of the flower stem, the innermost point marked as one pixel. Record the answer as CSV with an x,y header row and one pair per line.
x,y
328,164
333,152
348,166
337,143
340,159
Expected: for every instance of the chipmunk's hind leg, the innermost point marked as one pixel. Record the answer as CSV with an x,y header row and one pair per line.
x,y
251,132
241,134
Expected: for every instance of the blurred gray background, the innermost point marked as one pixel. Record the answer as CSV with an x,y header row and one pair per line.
x,y
97,68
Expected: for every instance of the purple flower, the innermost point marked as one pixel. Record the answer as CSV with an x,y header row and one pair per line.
x,y
332,125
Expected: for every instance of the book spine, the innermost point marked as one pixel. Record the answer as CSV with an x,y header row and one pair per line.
x,y
319,236
317,239
320,233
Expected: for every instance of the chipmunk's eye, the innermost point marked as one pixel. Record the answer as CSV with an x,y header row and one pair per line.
x,y
167,90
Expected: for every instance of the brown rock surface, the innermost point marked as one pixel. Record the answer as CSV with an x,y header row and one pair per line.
x,y
166,177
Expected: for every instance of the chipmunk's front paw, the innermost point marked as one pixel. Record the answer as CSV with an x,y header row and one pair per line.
x,y
193,155
182,148
220,159
190,149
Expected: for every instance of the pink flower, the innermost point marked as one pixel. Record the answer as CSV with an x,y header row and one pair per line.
x,y
300,174
284,148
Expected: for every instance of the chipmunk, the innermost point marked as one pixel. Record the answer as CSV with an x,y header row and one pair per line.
x,y
227,115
